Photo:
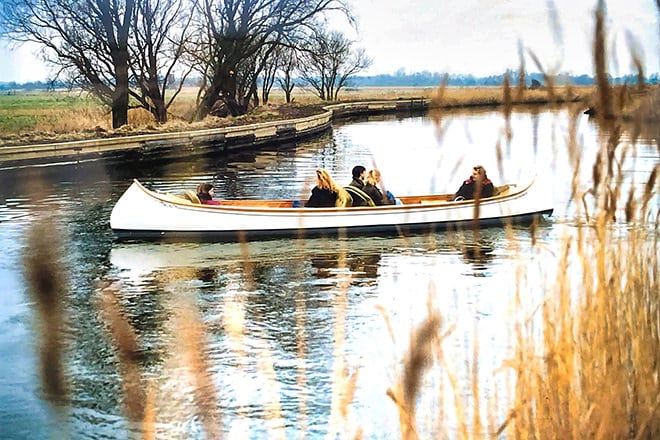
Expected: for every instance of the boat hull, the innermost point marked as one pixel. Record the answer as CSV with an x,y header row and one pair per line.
x,y
141,214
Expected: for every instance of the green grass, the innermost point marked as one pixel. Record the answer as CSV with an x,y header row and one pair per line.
x,y
44,100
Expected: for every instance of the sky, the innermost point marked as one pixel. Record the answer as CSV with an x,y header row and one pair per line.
x,y
478,37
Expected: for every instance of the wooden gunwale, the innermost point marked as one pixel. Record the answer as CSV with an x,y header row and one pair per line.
x,y
432,201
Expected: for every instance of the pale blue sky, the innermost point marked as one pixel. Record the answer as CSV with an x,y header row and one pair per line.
x,y
481,36
477,37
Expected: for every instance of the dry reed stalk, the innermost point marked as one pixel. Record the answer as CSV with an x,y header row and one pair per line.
x,y
424,347
604,109
574,151
507,101
128,352
438,102
47,287
344,380
549,79
477,426
520,87
191,349
149,424
234,320
301,353
271,394
301,350
598,376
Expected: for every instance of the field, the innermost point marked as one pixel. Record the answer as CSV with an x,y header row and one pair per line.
x,y
27,117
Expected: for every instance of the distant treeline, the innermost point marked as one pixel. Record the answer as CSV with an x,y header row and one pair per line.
x,y
399,79
431,79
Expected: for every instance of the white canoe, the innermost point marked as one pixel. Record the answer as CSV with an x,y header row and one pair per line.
x,y
144,214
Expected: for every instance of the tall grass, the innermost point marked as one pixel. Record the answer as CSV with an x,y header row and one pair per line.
x,y
586,362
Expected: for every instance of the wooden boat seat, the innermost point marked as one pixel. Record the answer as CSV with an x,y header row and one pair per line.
x,y
192,197
502,190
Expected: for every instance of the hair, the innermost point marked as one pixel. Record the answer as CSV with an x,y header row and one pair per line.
x,y
204,188
357,170
481,170
373,177
325,181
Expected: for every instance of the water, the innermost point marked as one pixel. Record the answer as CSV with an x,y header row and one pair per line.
x,y
278,322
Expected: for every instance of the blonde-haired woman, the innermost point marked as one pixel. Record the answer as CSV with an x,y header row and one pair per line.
x,y
372,186
327,193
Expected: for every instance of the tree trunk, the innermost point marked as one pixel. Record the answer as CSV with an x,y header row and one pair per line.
x,y
157,106
159,111
223,87
206,104
119,104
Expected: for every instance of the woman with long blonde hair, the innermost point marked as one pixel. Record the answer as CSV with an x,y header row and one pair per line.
x,y
371,187
327,193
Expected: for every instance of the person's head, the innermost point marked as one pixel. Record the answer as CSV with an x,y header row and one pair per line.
x,y
478,173
358,172
324,180
373,177
205,188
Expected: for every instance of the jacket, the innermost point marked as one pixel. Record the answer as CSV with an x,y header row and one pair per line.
x,y
468,188
321,198
374,192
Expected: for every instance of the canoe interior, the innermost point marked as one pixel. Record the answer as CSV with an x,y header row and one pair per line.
x,y
190,198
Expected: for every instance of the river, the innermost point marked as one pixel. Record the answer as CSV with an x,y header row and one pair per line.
x,y
264,338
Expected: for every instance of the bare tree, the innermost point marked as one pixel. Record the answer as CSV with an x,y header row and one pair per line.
x,y
236,30
329,63
116,49
271,65
88,40
288,65
160,29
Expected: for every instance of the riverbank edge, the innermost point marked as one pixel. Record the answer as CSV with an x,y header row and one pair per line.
x,y
223,139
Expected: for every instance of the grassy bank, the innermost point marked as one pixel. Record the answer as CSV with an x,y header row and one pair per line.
x,y
63,115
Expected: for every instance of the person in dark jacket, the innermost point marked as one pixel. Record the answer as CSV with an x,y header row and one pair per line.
x,y
356,187
359,173
478,186
327,193
372,185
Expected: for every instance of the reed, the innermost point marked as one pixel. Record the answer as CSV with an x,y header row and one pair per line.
x,y
585,361
47,286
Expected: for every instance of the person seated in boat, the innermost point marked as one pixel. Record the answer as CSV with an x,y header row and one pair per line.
x,y
205,193
372,185
359,173
477,186
356,187
327,193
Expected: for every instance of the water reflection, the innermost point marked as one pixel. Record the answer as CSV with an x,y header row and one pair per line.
x,y
361,268
247,298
